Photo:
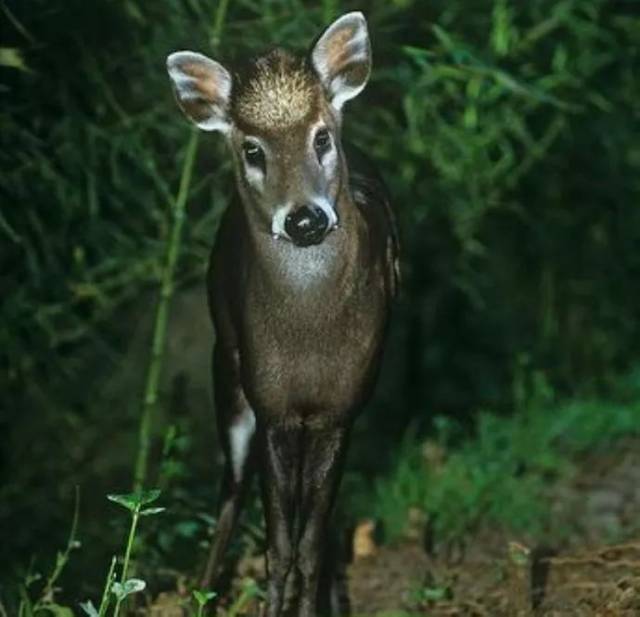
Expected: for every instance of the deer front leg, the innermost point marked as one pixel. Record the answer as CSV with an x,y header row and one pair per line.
x,y
324,451
281,456
236,428
234,487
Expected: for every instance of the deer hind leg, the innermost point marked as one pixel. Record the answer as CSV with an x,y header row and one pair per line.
x,y
236,427
324,451
281,453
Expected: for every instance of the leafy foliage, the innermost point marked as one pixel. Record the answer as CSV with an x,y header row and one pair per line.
x,y
501,474
508,133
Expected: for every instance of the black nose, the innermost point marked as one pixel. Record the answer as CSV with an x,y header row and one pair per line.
x,y
306,225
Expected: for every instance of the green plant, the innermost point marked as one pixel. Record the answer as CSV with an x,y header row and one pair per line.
x,y
162,310
500,474
46,602
250,590
134,503
202,597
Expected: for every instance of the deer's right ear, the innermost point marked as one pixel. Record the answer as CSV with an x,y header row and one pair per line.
x,y
203,89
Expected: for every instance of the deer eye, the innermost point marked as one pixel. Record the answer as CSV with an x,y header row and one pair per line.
x,y
253,154
322,142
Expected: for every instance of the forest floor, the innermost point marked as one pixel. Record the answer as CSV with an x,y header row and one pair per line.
x,y
495,575
593,571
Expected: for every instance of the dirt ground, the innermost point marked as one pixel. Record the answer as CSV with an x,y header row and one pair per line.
x,y
497,575
493,574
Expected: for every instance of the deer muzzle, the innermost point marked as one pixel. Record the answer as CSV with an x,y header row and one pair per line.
x,y
307,225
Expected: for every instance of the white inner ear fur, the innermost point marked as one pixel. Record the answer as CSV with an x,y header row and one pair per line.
x,y
213,86
357,49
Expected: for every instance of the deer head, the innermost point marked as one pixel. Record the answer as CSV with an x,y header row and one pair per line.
x,y
281,116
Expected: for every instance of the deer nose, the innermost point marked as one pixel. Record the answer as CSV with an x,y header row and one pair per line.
x,y
307,225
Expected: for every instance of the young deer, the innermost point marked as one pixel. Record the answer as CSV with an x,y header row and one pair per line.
x,y
300,285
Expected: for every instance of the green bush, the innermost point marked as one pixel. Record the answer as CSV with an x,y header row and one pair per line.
x,y
500,475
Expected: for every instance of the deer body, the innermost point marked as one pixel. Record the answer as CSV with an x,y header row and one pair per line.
x,y
314,318
300,285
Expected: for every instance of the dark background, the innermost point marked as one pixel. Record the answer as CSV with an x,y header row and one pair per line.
x,y
508,134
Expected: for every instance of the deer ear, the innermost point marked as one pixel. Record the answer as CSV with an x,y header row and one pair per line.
x,y
342,58
203,89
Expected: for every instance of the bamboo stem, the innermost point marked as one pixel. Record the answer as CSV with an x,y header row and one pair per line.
x,y
162,315
166,291
218,22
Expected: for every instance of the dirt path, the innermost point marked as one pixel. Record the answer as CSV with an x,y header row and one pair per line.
x,y
497,575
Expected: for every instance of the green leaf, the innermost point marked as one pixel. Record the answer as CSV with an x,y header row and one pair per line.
x,y
128,501
89,608
122,590
202,597
434,594
132,501
134,585
32,578
13,58
149,496
151,511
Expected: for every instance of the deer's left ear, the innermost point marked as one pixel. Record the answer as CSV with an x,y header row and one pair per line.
x,y
342,58
203,89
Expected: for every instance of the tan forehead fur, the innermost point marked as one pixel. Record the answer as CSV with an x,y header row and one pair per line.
x,y
275,92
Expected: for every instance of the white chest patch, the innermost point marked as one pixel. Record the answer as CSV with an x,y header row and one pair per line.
x,y
304,267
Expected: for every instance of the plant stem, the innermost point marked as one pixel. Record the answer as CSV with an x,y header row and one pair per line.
x,y
166,292
104,601
25,609
127,555
61,561
217,24
162,314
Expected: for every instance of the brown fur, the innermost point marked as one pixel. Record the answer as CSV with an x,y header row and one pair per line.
x,y
337,49
313,350
274,92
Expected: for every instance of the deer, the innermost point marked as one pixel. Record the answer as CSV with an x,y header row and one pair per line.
x,y
300,285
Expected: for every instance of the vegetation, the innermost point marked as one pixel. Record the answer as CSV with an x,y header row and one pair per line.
x,y
508,133
502,474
